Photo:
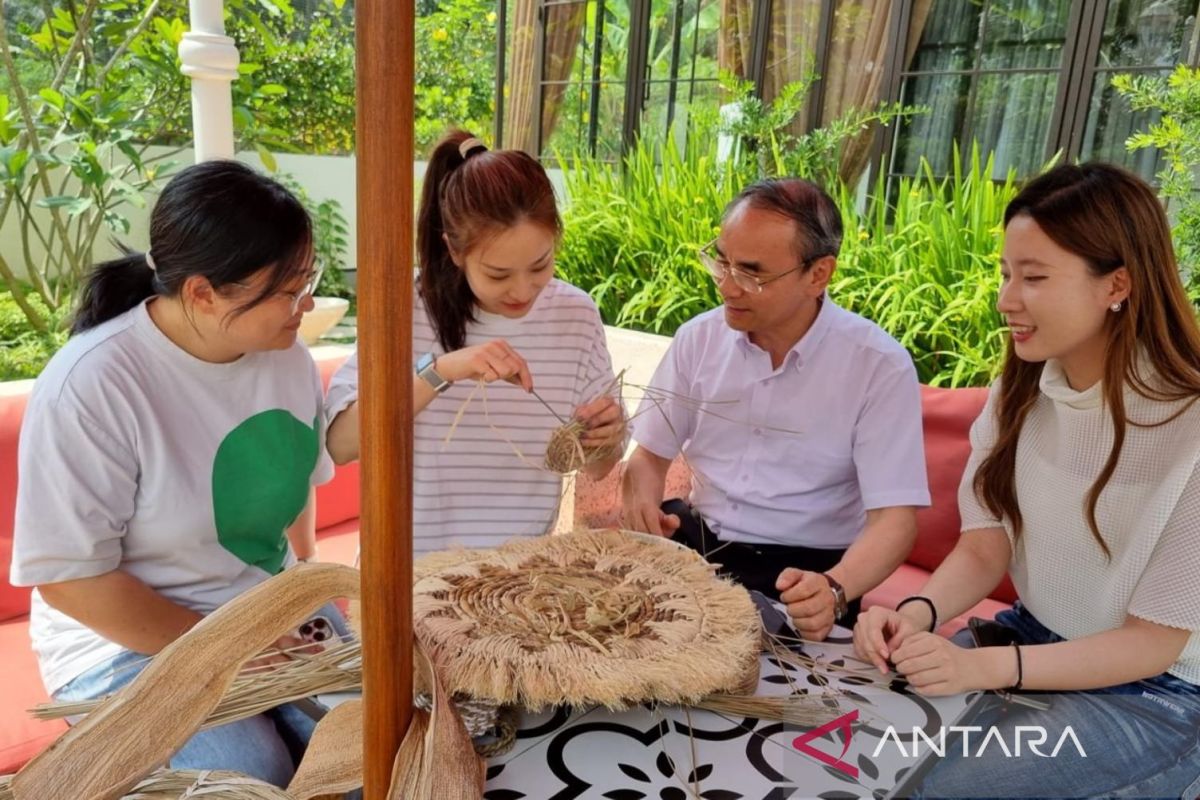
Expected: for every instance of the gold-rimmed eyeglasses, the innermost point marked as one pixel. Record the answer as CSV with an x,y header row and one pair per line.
x,y
720,269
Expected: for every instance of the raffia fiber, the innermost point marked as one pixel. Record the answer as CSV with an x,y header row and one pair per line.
x,y
189,784
592,617
333,763
142,726
335,669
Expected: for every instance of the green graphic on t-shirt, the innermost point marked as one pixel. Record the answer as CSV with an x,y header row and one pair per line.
x,y
260,482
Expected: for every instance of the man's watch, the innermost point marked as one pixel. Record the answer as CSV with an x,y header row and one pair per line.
x,y
840,606
427,373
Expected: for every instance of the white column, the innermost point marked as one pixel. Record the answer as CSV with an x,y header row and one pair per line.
x,y
210,59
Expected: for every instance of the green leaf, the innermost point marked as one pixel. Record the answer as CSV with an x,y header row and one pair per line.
x,y
53,98
267,158
73,205
271,89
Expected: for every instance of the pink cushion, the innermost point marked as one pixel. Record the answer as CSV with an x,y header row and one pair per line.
x,y
338,500
947,415
14,602
338,544
598,503
21,736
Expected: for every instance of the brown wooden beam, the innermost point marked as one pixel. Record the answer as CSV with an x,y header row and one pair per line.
x,y
384,34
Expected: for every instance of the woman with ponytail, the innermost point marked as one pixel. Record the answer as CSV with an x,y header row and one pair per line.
x,y
1084,486
487,307
169,450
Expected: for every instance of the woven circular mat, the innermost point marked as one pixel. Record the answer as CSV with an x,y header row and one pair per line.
x,y
592,617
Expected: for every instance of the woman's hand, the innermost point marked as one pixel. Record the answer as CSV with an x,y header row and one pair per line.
x,y
936,666
603,422
493,361
879,632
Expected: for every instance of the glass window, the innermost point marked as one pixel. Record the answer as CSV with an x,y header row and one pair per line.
x,y
1145,37
986,70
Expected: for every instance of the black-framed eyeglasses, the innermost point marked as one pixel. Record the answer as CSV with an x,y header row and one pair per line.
x,y
297,297
720,269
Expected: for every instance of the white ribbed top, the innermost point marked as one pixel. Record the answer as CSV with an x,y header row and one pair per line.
x,y
1149,514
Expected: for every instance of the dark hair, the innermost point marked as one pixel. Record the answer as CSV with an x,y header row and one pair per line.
x,y
218,219
818,222
1110,218
470,199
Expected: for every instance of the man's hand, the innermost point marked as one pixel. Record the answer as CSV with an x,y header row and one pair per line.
x,y
810,602
640,511
641,494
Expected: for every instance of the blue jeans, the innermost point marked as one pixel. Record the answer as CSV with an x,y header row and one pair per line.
x,y
1141,739
268,746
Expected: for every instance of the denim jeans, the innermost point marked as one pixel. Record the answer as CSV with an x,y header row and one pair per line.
x,y
268,746
1141,739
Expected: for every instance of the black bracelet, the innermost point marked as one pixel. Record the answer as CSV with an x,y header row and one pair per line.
x,y
1016,687
926,601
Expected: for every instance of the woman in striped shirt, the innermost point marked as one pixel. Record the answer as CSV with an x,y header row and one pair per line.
x,y
491,325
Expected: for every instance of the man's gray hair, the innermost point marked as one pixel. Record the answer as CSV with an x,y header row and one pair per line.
x,y
818,222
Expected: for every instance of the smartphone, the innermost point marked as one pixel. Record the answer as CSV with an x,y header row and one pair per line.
x,y
317,631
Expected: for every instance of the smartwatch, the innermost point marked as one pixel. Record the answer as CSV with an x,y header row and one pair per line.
x,y
840,606
427,373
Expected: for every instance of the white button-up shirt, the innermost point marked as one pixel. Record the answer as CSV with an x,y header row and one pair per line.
x,y
794,455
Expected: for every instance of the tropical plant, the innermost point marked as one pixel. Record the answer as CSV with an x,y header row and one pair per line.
x,y
455,78
1175,100
75,151
925,267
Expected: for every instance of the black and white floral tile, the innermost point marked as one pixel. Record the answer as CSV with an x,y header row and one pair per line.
x,y
671,753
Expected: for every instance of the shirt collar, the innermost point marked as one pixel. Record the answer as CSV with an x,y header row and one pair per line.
x,y
803,350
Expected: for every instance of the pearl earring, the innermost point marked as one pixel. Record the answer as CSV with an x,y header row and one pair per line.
x,y
1115,307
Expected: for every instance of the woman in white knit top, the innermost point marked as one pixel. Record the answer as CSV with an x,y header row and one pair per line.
x,y
1084,486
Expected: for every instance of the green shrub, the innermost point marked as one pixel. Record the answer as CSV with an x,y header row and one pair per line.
x,y
23,351
925,268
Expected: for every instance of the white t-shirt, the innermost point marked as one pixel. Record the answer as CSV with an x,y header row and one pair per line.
x,y
135,455
1149,513
472,489
794,455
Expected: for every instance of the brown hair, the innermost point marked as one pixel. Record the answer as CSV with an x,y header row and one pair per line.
x,y
471,198
1110,218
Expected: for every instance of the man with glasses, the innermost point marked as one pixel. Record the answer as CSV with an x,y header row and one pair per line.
x,y
801,421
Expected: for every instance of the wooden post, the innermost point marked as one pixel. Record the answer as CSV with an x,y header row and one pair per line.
x,y
385,251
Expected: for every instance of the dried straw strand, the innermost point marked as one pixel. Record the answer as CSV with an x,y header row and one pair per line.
x,y
178,690
186,784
